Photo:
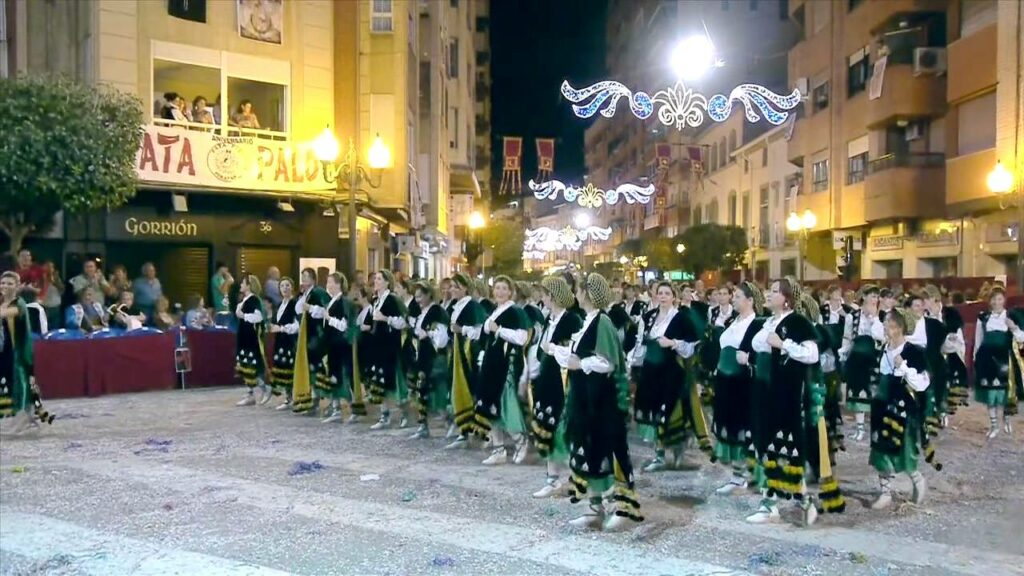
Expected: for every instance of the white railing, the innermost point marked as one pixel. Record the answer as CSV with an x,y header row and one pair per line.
x,y
222,130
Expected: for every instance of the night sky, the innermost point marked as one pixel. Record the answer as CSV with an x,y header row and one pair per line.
x,y
535,44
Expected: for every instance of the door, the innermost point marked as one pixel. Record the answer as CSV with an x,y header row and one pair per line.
x,y
256,260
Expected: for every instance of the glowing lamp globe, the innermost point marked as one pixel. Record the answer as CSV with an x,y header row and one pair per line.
x,y
624,260
999,180
380,156
326,146
582,220
693,57
476,220
809,220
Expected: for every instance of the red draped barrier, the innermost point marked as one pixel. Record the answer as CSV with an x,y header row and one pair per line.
x,y
213,358
60,367
131,364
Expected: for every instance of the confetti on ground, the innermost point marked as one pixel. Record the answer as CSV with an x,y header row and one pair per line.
x,y
369,477
443,561
858,558
408,496
300,468
72,445
18,469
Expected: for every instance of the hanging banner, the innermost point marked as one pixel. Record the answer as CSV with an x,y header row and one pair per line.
x,y
511,179
695,156
664,155
878,78
545,158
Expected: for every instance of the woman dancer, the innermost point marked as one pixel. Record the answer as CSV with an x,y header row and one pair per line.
x,y
388,385
1015,391
863,337
467,324
429,376
497,405
548,380
17,389
833,325
597,415
734,384
337,381
309,346
786,347
897,416
992,347
285,328
361,345
250,363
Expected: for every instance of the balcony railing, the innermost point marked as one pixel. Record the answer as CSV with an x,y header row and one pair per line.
x,y
219,130
910,160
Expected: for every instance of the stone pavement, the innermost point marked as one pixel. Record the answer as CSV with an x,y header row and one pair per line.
x,y
186,483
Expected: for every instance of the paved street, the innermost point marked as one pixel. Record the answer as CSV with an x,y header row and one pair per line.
x,y
185,483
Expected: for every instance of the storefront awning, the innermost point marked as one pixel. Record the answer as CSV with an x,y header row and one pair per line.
x,y
464,182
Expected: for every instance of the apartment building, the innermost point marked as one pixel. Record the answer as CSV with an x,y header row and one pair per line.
x,y
900,129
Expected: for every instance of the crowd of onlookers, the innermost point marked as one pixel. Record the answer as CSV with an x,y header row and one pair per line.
x,y
175,107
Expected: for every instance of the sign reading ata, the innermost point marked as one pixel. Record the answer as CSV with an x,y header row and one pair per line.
x,y
176,155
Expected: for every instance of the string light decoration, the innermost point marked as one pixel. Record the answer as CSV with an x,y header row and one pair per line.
x,y
680,106
547,239
590,196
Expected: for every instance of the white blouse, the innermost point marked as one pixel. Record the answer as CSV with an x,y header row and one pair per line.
x,y
339,324
724,312
596,363
919,381
471,332
438,334
252,317
516,336
733,335
996,322
869,326
396,322
803,352
293,327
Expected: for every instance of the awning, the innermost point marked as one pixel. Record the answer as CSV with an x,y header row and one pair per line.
x,y
464,182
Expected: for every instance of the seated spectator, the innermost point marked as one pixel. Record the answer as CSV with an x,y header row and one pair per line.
x,y
119,282
200,112
125,314
147,289
197,316
162,317
245,116
170,110
36,313
970,295
86,314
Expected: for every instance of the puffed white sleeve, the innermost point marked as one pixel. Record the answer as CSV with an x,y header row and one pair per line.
x,y
438,336
472,332
515,336
760,341
292,328
920,335
532,364
954,342
339,324
877,329
300,306
598,364
561,354
919,381
1018,336
685,349
253,317
805,352
397,322
635,356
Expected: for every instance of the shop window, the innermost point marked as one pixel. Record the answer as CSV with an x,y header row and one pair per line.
x,y
856,167
196,86
819,175
819,97
382,19
976,124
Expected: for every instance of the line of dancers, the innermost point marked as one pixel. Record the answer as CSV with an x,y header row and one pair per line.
x,y
756,381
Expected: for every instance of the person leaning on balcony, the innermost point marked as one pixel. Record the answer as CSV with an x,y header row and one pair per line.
x,y
245,116
170,110
201,113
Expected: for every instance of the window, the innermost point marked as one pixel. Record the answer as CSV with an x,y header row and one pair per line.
x,y
976,14
453,58
820,96
746,166
454,142
712,215
764,156
976,124
453,3
714,158
732,141
763,216
482,23
382,19
819,175
745,214
732,208
855,168
697,215
821,13
723,155
482,58
859,71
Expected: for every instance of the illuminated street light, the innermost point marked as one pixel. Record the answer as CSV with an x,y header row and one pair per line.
x,y
624,260
476,221
801,225
680,248
326,146
693,57
1000,180
582,220
379,156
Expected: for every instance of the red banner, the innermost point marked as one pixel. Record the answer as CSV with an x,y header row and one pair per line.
x,y
664,154
511,180
545,154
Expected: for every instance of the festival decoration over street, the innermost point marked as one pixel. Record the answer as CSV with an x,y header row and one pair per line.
x,y
547,239
680,106
590,196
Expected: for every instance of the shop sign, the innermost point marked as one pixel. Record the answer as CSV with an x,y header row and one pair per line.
x,y
181,228
883,243
941,237
176,155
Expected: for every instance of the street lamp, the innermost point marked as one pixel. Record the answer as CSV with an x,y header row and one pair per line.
x,y
1001,182
582,220
327,149
801,225
476,223
693,57
680,248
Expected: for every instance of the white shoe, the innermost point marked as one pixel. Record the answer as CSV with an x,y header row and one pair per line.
x,y
421,433
249,400
403,423
992,432
550,489
498,456
453,432
353,418
459,442
920,490
592,520
731,488
765,514
810,513
286,405
381,424
656,465
1007,427
522,451
266,394
944,420
859,434
334,416
883,501
616,523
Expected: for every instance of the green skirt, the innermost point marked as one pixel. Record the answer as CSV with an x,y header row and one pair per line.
x,y
511,418
905,461
990,396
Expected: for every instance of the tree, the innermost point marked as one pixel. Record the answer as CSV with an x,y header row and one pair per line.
x,y
712,247
660,253
65,146
505,240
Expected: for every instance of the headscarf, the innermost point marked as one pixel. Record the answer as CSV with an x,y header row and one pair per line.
x,y
867,289
523,290
559,289
597,290
389,278
906,319
750,290
464,281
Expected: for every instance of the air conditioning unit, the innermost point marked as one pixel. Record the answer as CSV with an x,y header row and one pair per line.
x,y
913,131
801,85
929,61
408,244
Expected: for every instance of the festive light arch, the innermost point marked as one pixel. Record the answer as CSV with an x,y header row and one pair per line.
x,y
590,196
547,239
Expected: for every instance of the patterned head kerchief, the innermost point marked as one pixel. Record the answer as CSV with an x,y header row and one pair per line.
x,y
464,281
523,290
750,290
559,289
906,319
598,291
867,289
254,284
809,307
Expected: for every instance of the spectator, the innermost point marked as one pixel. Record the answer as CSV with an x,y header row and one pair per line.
x,y
170,110
119,281
36,315
50,298
92,277
86,314
245,116
957,297
183,106
162,317
970,295
125,314
147,290
200,112
272,287
197,316
220,288
216,110
32,275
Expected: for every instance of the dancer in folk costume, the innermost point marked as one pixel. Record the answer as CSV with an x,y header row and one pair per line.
x,y
339,334
720,315
1015,390
250,361
497,400
467,321
428,382
361,350
285,328
388,384
309,346
950,356
786,349
993,343
898,432
482,295
548,381
822,445
734,387
18,391
833,323
596,415
666,399
863,337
